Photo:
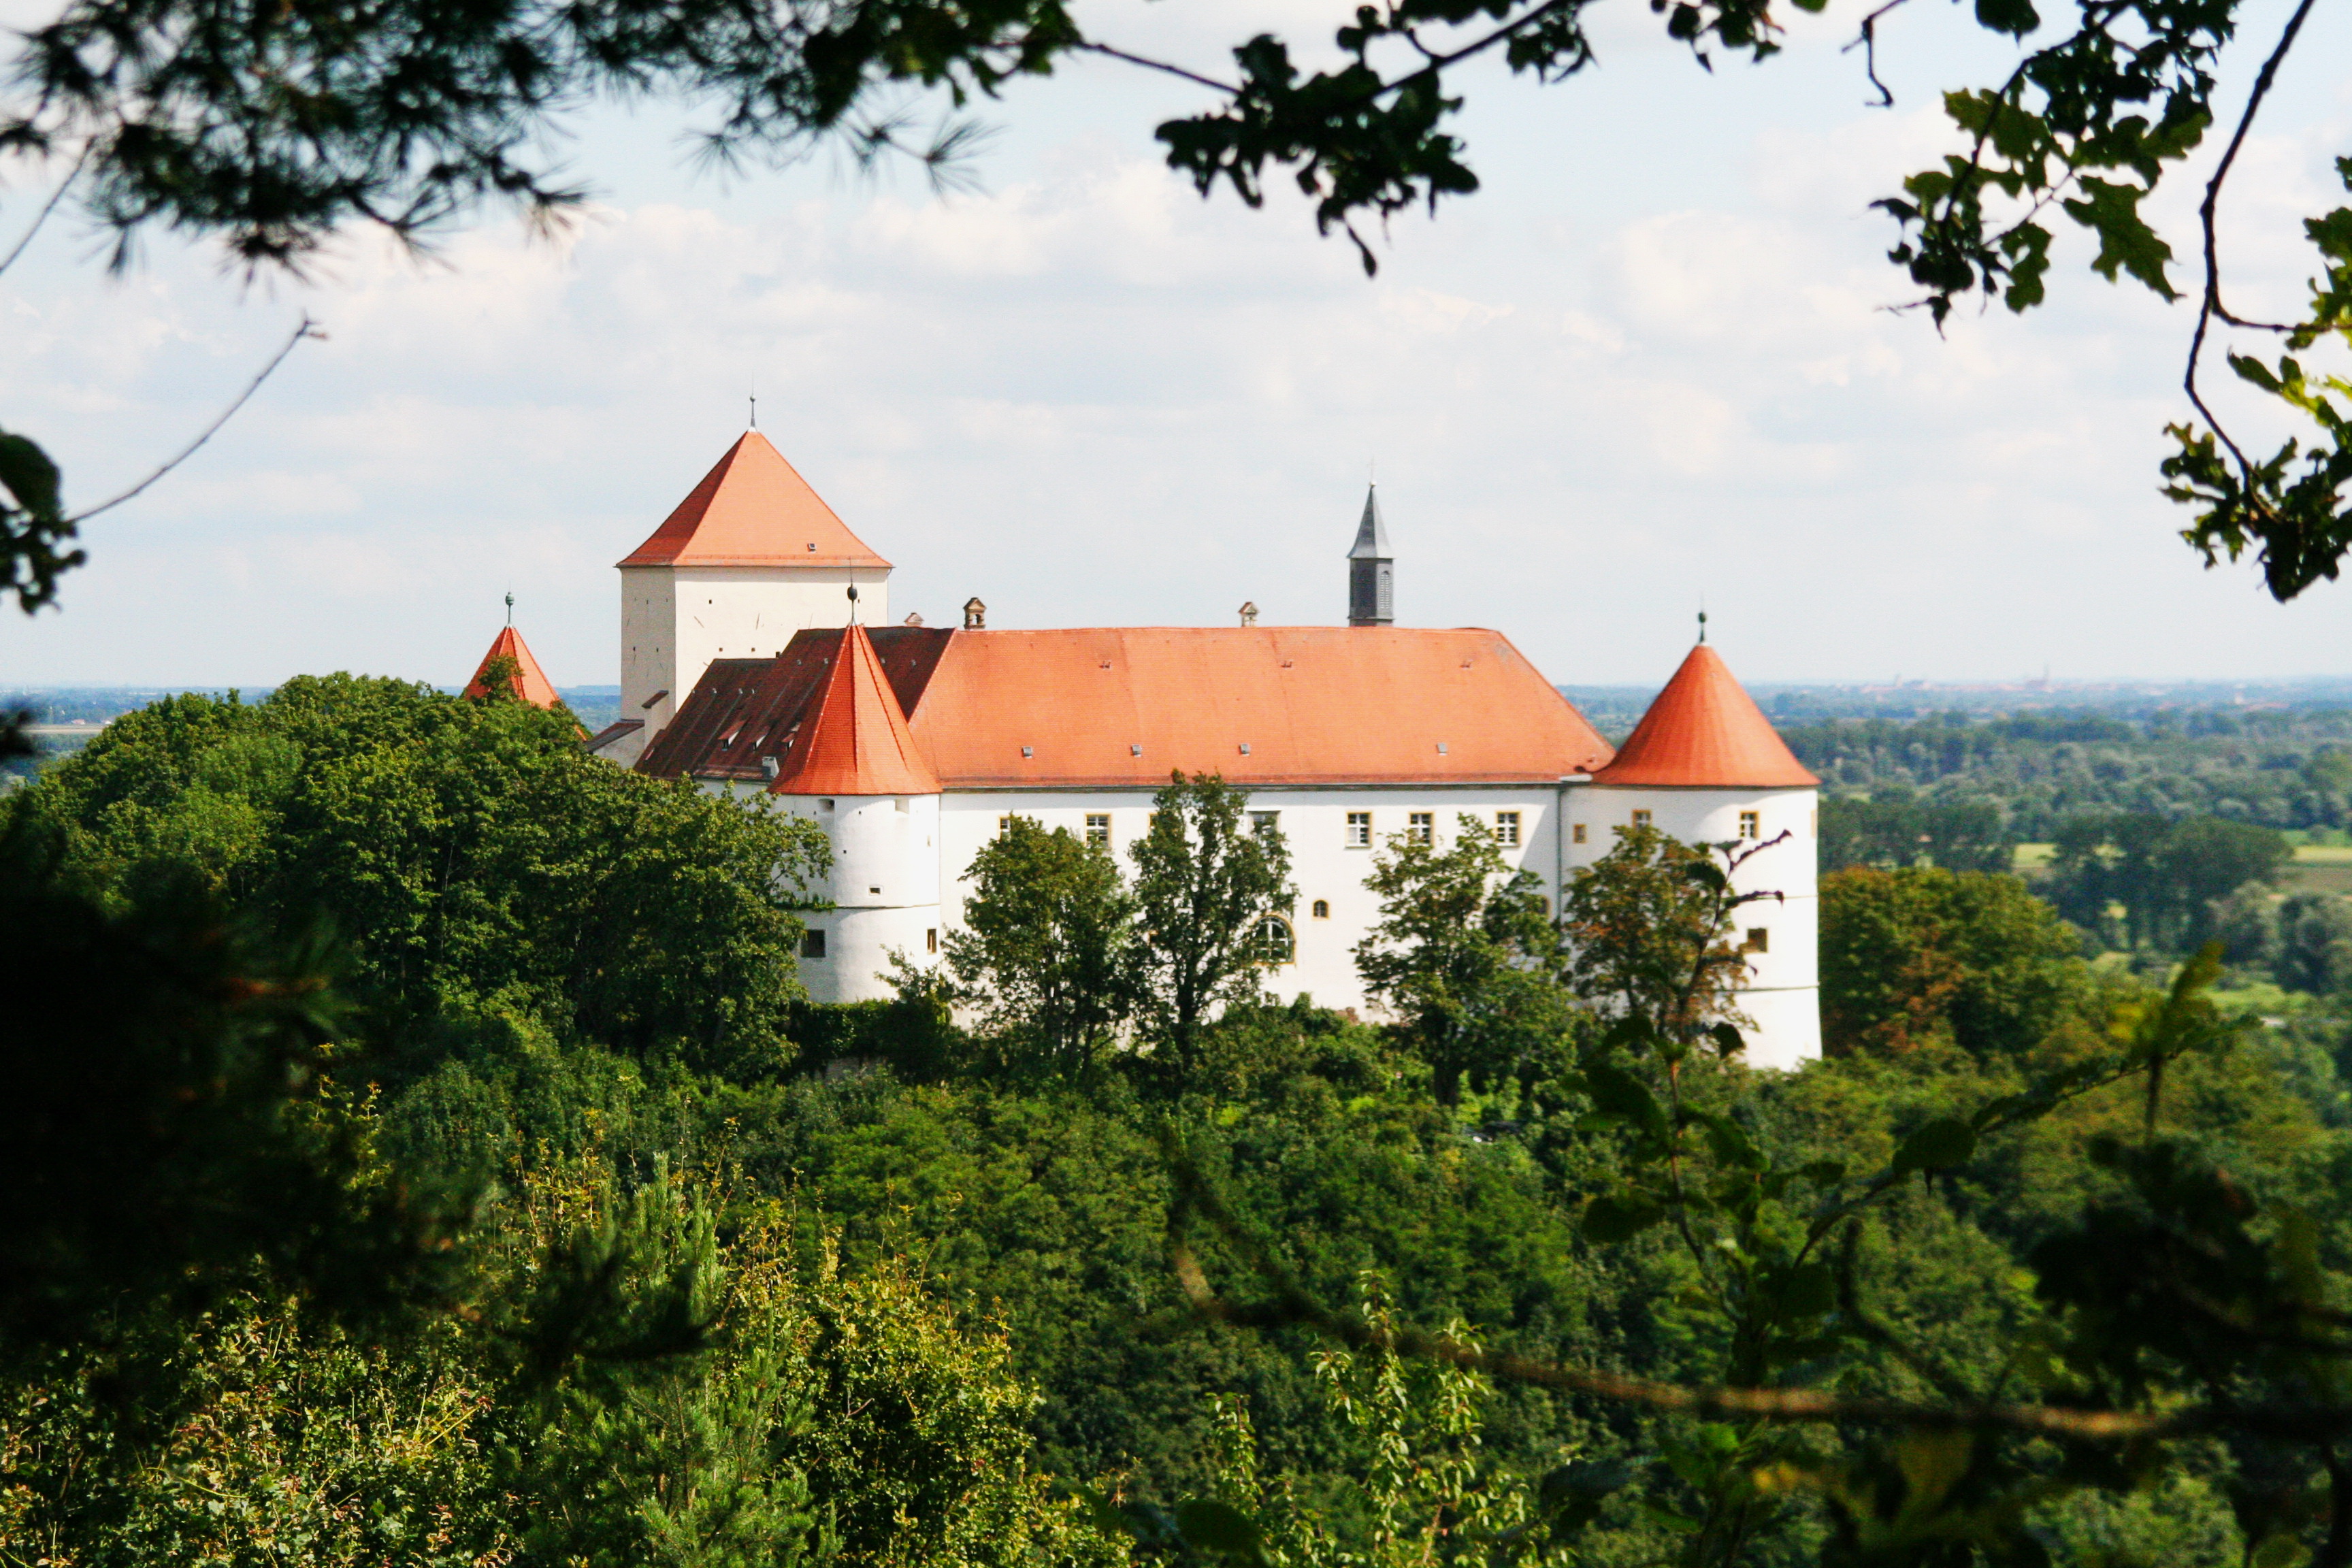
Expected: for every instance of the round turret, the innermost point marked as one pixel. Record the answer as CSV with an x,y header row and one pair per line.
x,y
1706,767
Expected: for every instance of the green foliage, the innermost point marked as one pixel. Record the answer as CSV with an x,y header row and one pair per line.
x,y
1466,952
1647,927
1927,959
1206,880
1895,828
173,1125
1047,949
465,850
2170,878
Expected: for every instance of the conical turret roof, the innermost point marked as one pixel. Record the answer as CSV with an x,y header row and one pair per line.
x,y
1372,533
1704,731
753,508
529,682
857,741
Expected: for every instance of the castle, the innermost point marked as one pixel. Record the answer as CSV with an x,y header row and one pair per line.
x,y
757,657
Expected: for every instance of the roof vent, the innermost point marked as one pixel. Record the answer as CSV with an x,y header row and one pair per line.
x,y
1244,748
975,614
812,547
1135,751
1028,752
914,617
771,767
1249,612
1441,747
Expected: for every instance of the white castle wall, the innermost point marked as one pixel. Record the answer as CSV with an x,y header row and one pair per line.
x,y
1324,864
676,619
884,886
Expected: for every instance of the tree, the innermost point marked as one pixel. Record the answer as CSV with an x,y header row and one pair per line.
x,y
2171,878
1896,828
1647,927
465,850
1918,958
1048,947
2314,947
1207,880
1465,954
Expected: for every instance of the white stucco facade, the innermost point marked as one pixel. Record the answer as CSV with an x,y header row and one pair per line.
x,y
898,882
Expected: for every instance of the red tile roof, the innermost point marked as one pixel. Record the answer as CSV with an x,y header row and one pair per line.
x,y
529,682
1704,731
1123,707
857,742
753,508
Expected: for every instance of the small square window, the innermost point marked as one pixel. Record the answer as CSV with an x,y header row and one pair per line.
x,y
1641,819
1360,830
1099,828
1758,940
1507,829
1577,833
1267,824
1322,907
811,944
1003,826
1750,825
1421,826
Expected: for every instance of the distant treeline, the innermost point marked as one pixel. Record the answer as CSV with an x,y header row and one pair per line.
x,y
2290,769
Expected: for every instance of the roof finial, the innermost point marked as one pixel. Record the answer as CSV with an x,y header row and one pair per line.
x,y
1702,625
755,400
510,607
853,603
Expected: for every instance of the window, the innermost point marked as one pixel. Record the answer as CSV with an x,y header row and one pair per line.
x,y
1003,826
1577,833
1641,819
1360,830
1267,824
1421,826
1507,829
1272,942
1751,826
1322,907
931,940
1099,830
1758,940
811,944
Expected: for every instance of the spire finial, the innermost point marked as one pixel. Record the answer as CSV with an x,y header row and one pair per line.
x,y
853,603
1702,625
755,405
510,607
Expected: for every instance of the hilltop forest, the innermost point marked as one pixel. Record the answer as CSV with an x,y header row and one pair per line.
x,y
419,1152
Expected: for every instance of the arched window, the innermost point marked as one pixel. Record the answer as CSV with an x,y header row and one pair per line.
x,y
1273,942
1322,908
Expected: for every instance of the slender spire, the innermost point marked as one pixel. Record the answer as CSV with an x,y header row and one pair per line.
x,y
1372,574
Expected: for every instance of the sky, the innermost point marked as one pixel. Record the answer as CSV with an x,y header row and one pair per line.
x,y
1651,366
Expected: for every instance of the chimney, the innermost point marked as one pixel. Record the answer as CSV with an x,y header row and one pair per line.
x,y
1249,612
975,615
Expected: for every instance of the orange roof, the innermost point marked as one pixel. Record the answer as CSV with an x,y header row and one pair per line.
x,y
857,742
753,509
1124,707
529,682
1704,731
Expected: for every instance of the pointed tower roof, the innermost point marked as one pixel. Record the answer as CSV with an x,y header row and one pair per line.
x,y
1704,731
531,682
753,508
857,741
1371,534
